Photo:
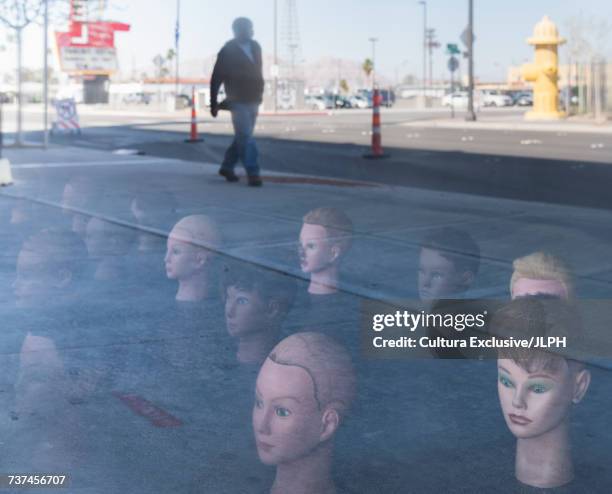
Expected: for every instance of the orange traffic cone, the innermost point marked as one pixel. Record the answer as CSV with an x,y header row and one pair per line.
x,y
376,151
193,134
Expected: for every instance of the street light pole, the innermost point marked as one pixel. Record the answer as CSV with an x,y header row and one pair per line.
x,y
176,48
424,4
275,56
373,41
46,77
471,116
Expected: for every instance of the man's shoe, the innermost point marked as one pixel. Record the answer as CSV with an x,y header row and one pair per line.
x,y
255,181
229,175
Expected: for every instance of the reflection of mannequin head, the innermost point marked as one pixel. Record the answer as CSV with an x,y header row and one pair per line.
x,y
325,238
256,303
80,193
107,243
49,267
304,390
538,389
541,273
191,258
448,264
153,210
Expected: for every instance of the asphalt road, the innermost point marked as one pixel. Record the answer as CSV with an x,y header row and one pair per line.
x,y
558,167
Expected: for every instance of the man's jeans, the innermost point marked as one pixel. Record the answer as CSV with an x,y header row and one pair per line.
x,y
243,147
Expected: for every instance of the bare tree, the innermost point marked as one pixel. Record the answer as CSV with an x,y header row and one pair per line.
x,y
17,15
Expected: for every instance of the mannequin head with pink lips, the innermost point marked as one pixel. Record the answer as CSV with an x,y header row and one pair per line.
x,y
541,273
538,389
303,392
191,257
325,238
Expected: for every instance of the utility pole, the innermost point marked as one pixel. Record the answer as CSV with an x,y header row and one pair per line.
x,y
46,77
424,4
176,48
471,116
431,44
275,70
373,41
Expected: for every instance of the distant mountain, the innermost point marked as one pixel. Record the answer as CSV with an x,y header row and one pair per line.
x,y
323,73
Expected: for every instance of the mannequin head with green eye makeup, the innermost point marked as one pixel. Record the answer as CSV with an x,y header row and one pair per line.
x,y
303,392
537,389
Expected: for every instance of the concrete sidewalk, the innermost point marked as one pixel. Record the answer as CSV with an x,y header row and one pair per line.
x,y
487,122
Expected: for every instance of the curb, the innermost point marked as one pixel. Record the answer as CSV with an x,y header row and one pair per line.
x,y
543,127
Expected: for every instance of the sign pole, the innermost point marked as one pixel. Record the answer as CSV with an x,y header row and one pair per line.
x,y
46,78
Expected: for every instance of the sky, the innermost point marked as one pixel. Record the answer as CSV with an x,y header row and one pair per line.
x,y
341,28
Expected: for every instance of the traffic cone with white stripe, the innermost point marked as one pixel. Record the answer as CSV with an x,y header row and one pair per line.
x,y
376,151
193,134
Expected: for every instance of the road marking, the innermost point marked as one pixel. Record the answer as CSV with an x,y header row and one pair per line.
x,y
598,145
413,136
328,131
467,138
527,142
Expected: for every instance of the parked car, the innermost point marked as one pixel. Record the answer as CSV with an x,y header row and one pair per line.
x,y
458,99
358,101
340,101
315,102
523,99
137,99
496,98
387,97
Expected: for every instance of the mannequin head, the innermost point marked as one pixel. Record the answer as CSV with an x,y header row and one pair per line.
x,y
303,392
191,255
145,209
541,273
449,260
537,389
256,300
325,238
79,194
106,239
50,266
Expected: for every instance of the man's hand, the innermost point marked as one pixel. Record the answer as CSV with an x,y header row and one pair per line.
x,y
214,109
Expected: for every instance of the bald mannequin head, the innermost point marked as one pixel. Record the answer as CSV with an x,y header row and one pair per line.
x,y
304,390
191,255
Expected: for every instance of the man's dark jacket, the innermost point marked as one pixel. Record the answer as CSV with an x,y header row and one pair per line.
x,y
242,78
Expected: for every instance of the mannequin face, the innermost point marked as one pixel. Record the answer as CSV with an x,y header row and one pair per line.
x,y
182,259
35,280
438,277
286,419
538,402
316,251
245,312
527,286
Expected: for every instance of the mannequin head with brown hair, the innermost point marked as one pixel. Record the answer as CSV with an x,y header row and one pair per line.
x,y
538,389
325,238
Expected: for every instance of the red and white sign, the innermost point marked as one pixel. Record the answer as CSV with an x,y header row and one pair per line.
x,y
88,47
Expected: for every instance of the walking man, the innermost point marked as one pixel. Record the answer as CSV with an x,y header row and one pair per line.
x,y
239,69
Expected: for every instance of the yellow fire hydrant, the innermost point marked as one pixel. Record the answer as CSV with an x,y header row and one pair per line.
x,y
544,73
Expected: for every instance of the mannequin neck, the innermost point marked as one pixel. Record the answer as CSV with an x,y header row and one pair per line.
x,y
545,461
324,282
193,289
310,474
253,348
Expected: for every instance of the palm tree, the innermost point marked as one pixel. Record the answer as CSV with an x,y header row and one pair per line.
x,y
368,67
